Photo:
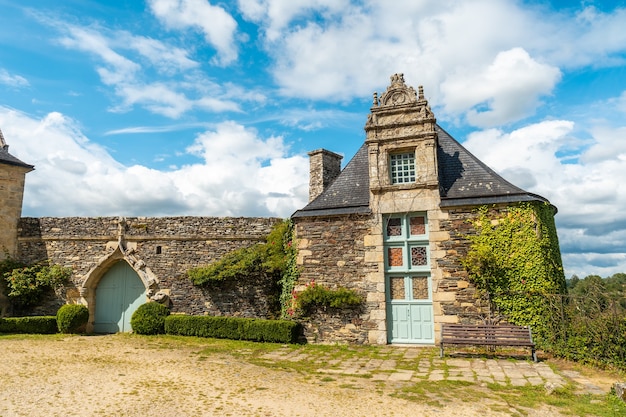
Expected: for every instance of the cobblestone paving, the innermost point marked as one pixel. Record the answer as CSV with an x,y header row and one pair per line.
x,y
409,364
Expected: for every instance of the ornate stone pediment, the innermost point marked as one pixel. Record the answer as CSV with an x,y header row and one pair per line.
x,y
398,93
399,112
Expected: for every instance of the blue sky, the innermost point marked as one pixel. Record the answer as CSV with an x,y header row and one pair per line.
x,y
196,107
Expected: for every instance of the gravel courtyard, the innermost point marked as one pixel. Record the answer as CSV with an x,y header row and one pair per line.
x,y
122,375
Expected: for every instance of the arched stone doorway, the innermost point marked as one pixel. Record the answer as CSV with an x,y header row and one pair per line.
x,y
118,294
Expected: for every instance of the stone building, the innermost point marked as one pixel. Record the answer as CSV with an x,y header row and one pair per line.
x,y
12,176
393,225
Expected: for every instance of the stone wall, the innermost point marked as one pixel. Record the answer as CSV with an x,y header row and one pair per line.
x,y
332,252
466,305
167,246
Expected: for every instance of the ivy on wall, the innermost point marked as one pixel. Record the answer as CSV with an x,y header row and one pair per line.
x,y
276,258
514,258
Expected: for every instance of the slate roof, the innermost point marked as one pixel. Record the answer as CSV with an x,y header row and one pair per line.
x,y
349,193
463,180
8,159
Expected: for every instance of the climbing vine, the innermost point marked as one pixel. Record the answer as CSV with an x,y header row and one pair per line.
x,y
514,259
290,274
275,258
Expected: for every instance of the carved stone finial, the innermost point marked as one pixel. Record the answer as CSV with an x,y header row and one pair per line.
x,y
397,78
398,93
375,103
420,90
121,229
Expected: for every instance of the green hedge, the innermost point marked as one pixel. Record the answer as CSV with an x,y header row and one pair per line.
x,y
33,324
258,330
72,318
149,318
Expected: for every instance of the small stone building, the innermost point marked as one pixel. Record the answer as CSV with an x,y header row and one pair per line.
x,y
12,177
393,225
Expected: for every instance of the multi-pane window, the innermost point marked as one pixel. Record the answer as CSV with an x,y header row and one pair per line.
x,y
406,242
402,168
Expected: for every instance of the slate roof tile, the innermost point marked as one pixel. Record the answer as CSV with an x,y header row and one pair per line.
x,y
463,180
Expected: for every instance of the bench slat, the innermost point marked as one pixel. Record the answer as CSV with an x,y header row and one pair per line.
x,y
488,335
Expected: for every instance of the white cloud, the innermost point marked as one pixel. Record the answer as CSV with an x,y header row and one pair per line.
x,y
218,26
181,90
509,88
511,52
275,15
15,81
239,174
166,58
592,38
589,193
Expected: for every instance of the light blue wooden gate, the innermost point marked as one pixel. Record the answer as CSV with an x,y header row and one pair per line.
x,y
119,293
411,315
408,283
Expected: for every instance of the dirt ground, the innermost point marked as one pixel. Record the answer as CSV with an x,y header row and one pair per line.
x,y
125,376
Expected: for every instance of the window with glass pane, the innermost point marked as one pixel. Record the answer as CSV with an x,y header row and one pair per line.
x,y
420,288
402,168
419,256
417,225
395,257
397,288
394,227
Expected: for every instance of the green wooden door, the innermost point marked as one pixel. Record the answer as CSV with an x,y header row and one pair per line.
x,y
118,295
411,310
408,284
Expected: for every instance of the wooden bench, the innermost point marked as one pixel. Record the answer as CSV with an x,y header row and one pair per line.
x,y
487,335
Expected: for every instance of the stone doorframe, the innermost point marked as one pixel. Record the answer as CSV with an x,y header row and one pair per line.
x,y
87,290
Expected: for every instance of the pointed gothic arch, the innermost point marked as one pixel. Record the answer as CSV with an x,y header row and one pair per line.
x,y
95,275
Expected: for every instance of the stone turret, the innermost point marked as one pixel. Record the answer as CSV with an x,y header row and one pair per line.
x,y
12,177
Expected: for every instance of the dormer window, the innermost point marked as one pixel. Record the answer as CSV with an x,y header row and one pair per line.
x,y
402,168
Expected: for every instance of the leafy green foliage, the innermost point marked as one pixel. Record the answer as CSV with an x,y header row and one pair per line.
x,y
29,325
237,328
149,318
589,324
603,291
264,258
27,285
72,318
315,296
236,264
276,258
515,257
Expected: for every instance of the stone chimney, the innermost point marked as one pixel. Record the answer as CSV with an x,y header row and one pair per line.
x,y
325,166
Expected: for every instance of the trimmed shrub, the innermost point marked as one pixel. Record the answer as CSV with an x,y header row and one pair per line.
x,y
31,324
149,318
72,318
237,328
318,296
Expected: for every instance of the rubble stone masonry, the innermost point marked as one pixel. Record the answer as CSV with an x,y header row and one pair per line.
x,y
166,246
